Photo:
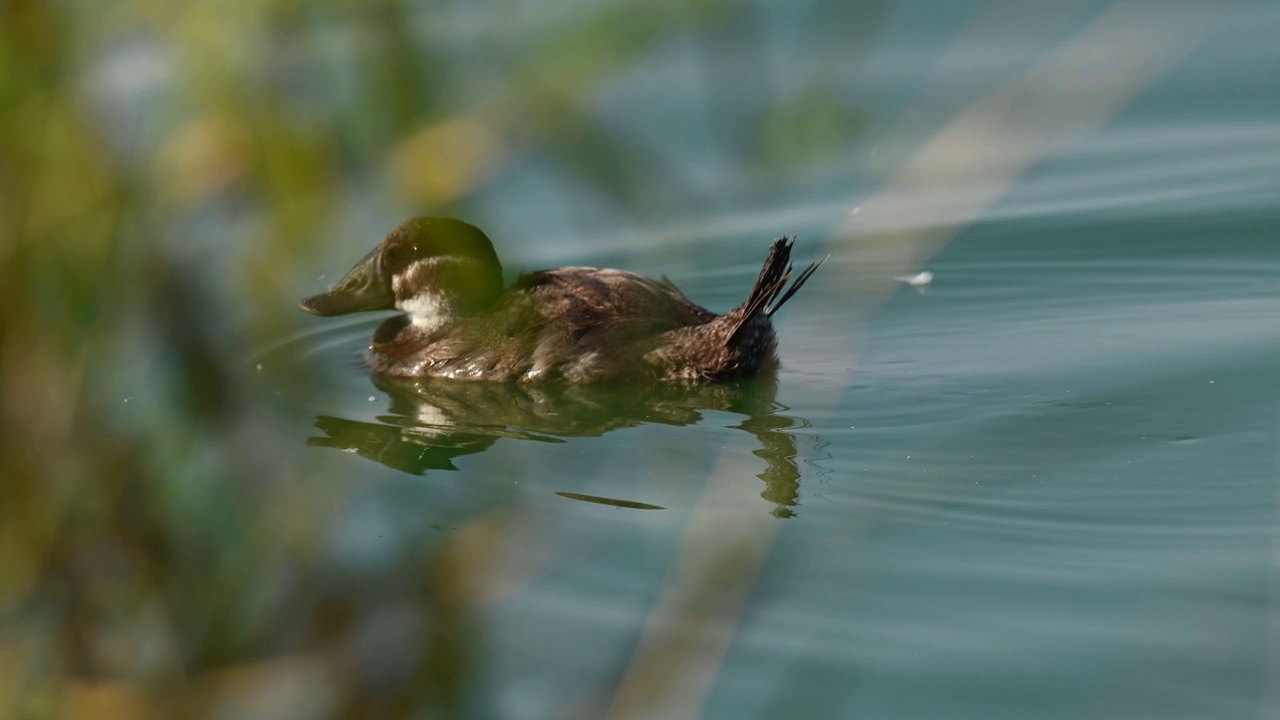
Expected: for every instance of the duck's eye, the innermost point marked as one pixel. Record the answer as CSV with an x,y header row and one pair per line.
x,y
393,258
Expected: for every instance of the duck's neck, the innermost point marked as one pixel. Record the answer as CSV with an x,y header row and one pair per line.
x,y
435,291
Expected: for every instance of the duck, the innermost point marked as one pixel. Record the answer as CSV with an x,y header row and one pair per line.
x,y
569,325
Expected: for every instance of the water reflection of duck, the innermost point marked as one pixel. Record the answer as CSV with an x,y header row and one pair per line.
x,y
430,422
569,325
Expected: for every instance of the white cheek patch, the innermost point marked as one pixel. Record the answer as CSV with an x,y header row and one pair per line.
x,y
428,307
426,310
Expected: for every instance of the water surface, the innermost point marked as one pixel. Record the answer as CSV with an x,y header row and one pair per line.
x,y
1045,487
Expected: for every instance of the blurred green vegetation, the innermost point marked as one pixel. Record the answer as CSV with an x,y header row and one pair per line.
x,y
163,166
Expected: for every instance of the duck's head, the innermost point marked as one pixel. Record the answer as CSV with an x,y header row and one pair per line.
x,y
432,269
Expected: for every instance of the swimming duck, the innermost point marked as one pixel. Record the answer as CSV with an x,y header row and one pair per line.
x,y
568,325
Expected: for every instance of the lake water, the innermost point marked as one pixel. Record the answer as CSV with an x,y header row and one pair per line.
x,y
1047,485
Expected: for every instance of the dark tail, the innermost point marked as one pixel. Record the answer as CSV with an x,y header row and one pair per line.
x,y
767,295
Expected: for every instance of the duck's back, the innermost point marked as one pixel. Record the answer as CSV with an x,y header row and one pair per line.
x,y
614,304
569,324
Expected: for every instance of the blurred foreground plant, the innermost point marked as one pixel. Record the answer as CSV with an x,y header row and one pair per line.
x,y
163,553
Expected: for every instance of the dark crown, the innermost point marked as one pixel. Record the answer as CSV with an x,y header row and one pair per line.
x,y
427,237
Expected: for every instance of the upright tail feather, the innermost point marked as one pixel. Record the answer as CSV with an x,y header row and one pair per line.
x,y
767,295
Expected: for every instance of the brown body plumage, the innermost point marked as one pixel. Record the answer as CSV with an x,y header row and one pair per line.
x,y
574,325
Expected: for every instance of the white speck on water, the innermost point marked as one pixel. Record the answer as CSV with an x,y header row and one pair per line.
x,y
856,210
372,398
126,399
259,367
923,278
1210,382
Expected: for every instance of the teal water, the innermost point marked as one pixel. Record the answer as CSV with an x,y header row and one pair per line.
x,y
1048,486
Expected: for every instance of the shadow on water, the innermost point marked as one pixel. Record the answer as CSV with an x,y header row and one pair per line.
x,y
429,423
